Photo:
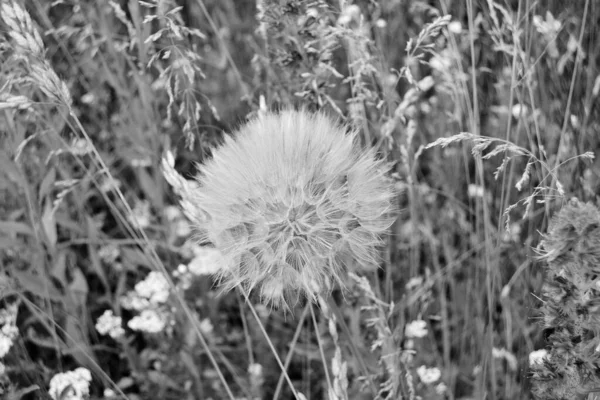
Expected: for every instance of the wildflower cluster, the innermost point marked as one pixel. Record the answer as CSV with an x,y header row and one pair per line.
x,y
8,328
290,201
570,317
148,298
109,324
71,385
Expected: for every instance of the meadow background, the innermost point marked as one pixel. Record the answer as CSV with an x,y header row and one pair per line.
x,y
95,94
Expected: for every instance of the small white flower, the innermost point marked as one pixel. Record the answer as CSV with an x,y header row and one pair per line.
x,y
71,385
140,215
133,301
141,162
475,190
109,393
441,62
441,388
5,345
428,375
349,13
109,324
154,287
80,147
414,283
109,253
255,369
206,327
519,110
172,213
108,184
416,329
206,261
513,233
182,228
150,321
8,329
88,98
455,27
537,357
548,27
381,23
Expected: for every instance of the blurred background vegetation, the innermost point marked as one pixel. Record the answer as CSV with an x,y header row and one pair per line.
x,y
85,212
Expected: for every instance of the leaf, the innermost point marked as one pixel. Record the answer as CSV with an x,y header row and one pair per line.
x,y
49,224
92,234
37,285
79,288
47,183
12,228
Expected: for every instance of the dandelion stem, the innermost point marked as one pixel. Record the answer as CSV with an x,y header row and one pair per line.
x,y
266,335
325,366
288,357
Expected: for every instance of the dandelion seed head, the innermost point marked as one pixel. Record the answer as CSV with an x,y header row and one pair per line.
x,y
288,200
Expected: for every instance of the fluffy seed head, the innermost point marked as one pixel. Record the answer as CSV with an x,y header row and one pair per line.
x,y
291,201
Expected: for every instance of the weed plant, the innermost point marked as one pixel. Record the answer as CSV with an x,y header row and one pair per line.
x,y
480,121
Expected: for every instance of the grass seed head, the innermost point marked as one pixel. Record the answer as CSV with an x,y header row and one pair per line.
x,y
288,200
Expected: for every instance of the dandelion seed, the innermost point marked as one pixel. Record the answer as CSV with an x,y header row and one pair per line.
x,y
290,201
71,385
429,375
416,329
